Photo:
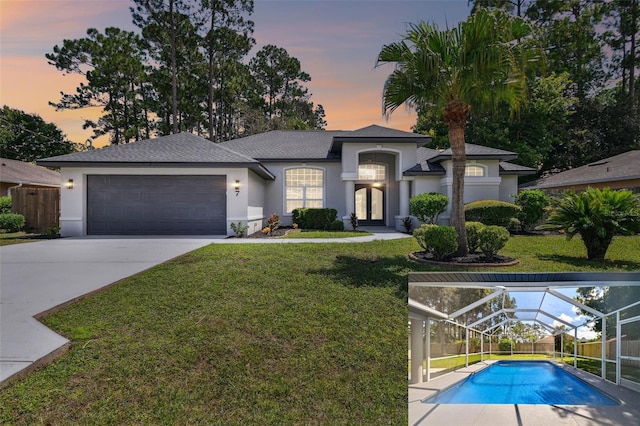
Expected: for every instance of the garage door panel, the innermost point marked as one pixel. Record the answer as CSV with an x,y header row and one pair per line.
x,y
156,205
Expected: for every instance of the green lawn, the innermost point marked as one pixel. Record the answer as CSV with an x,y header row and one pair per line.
x,y
8,238
253,334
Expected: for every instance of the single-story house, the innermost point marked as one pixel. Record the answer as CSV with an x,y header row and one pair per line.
x,y
184,184
621,171
14,173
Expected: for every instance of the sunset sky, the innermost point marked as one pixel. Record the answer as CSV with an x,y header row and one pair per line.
x,y
337,43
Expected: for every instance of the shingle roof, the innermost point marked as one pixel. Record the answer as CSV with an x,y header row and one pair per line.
x,y
429,161
515,169
619,167
176,150
19,172
478,152
286,145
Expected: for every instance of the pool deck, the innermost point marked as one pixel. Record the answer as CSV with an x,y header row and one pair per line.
x,y
627,413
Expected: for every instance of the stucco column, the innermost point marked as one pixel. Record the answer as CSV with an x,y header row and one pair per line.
x,y
349,192
404,198
417,354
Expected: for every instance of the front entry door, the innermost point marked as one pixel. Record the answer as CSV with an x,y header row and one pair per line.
x,y
370,204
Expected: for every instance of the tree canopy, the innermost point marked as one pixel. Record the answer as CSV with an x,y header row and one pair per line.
x,y
186,70
27,137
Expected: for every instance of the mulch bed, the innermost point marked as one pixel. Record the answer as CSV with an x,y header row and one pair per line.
x,y
471,260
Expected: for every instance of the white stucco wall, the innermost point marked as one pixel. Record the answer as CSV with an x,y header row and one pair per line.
x,y
73,202
274,201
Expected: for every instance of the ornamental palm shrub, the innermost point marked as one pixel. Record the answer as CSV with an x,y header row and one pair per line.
x,y
428,206
597,215
492,239
533,203
473,235
440,241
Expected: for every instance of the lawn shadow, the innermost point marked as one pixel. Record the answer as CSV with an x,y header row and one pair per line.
x,y
583,262
373,270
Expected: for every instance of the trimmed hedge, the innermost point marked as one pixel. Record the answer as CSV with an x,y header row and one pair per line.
x,y
337,225
308,218
473,235
440,241
12,222
428,206
491,212
492,239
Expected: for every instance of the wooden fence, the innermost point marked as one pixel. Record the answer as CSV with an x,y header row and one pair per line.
x,y
39,206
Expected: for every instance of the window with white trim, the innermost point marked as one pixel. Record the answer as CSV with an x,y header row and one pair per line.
x,y
372,171
304,187
473,170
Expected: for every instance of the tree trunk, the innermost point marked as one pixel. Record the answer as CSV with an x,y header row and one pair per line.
x,y
174,70
456,114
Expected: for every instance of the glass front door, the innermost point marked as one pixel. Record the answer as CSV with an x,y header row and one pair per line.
x,y
370,204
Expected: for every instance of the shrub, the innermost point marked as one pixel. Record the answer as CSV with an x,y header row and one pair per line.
x,y
354,221
505,345
428,206
534,204
407,222
514,225
492,239
239,229
308,218
12,222
53,231
491,212
273,222
440,241
337,225
473,235
597,215
5,205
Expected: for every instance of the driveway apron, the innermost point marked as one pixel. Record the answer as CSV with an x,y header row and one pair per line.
x,y
36,277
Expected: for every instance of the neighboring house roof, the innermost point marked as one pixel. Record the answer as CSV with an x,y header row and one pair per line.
x,y
19,172
624,166
177,150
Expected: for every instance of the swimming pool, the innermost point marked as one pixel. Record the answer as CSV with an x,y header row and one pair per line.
x,y
522,382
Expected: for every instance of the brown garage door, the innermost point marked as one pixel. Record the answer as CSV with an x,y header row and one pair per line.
x,y
156,205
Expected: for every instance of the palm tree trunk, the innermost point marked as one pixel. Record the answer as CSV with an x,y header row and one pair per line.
x,y
455,122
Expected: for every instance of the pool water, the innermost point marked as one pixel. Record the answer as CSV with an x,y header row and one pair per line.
x,y
522,382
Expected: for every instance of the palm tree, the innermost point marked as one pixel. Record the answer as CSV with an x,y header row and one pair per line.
x,y
479,65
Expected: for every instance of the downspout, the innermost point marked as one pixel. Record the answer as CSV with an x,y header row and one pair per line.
x,y
12,187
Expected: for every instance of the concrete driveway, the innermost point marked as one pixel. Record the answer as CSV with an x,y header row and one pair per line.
x,y
36,277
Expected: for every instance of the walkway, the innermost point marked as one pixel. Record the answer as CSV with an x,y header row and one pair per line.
x,y
38,277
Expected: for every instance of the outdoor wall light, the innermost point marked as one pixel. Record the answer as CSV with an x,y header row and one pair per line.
x,y
69,184
236,186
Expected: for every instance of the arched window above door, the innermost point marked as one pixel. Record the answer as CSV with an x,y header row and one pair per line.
x,y
372,171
